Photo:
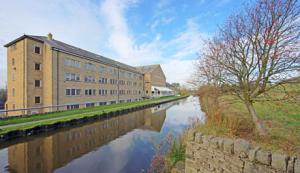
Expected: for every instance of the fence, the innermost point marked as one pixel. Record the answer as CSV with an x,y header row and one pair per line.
x,y
55,108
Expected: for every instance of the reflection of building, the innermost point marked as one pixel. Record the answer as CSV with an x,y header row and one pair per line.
x,y
154,81
49,153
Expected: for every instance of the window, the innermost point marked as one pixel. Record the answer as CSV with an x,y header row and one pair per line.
x,y
89,79
37,66
78,91
113,92
37,49
90,92
72,63
68,92
102,103
73,92
13,92
90,105
102,69
72,77
37,83
76,106
90,66
13,61
37,99
103,80
102,92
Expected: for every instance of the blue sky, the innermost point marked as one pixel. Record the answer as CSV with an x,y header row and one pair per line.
x,y
136,32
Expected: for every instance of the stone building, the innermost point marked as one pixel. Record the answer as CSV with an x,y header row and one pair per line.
x,y
154,81
46,75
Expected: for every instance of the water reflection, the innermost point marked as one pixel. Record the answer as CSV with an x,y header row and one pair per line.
x,y
120,144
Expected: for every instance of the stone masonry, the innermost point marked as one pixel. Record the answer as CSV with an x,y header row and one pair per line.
x,y
209,154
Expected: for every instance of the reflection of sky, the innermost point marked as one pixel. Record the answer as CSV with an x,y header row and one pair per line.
x,y
134,151
3,160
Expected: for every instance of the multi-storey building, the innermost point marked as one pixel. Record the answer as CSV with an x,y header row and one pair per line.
x,y
45,75
154,81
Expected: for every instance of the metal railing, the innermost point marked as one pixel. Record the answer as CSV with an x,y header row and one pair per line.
x,y
55,108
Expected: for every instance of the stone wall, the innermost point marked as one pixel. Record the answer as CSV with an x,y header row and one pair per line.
x,y
208,154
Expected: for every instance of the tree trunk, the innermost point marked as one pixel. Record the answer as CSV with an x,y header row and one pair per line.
x,y
259,125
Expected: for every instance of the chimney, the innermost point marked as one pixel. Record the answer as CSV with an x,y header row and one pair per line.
x,y
49,36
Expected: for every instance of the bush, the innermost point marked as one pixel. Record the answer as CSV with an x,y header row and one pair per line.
x,y
219,119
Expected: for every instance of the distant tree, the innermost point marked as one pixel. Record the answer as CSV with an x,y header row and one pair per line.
x,y
255,51
3,95
177,85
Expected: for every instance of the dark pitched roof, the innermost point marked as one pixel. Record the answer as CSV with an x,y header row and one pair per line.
x,y
74,50
147,68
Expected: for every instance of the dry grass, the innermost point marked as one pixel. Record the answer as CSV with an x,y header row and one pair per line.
x,y
227,116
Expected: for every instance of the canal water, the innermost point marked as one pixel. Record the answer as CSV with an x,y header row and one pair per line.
x,y
124,144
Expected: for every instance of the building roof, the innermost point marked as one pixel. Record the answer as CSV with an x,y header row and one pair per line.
x,y
74,50
147,68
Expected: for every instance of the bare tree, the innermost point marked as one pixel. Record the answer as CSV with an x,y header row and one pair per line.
x,y
256,50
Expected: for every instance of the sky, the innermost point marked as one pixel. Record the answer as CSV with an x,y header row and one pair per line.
x,y
135,32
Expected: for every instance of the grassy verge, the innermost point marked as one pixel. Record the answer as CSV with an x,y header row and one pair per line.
x,y
19,123
227,116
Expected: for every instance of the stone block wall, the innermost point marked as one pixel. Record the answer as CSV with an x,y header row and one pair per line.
x,y
209,154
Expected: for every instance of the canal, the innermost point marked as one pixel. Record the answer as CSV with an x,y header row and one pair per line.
x,y
126,143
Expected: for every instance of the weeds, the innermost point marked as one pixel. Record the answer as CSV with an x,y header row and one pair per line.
x,y
177,152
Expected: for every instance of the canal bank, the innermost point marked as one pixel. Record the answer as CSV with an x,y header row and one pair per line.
x,y
10,131
118,144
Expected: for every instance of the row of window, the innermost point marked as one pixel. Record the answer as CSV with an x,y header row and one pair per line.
x,y
102,92
76,77
101,69
77,106
72,63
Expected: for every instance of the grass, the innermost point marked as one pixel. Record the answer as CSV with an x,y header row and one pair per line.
x,y
228,116
19,123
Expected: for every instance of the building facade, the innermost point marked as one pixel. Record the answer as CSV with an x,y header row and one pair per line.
x,y
48,75
154,81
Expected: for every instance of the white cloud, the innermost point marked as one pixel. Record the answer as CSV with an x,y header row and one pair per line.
x,y
102,28
161,21
178,70
74,22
